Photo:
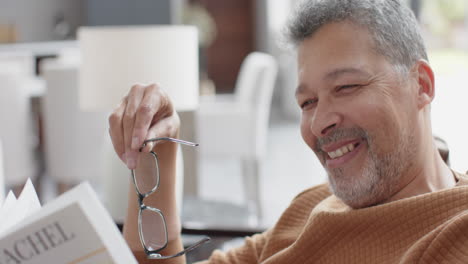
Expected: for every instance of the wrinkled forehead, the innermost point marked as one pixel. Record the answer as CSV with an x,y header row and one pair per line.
x,y
335,46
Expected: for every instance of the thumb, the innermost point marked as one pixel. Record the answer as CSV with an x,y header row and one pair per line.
x,y
168,127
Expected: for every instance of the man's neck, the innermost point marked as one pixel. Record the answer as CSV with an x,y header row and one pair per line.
x,y
433,175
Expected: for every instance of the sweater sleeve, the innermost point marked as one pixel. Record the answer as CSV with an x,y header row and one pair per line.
x,y
446,244
248,253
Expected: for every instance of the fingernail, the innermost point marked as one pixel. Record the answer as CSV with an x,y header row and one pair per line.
x,y
131,160
150,146
135,143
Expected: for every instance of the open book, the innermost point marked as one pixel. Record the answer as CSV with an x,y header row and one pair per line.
x,y
73,228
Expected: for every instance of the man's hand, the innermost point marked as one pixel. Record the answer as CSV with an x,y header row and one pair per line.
x,y
146,112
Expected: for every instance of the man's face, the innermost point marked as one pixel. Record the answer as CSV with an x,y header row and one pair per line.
x,y
359,114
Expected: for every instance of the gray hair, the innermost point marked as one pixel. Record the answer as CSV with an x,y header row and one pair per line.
x,y
392,25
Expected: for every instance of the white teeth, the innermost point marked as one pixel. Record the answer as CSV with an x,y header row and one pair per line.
x,y
341,151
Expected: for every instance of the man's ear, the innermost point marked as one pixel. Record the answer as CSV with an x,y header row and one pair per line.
x,y
426,84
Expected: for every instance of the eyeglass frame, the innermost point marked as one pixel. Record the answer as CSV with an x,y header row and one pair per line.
x,y
153,254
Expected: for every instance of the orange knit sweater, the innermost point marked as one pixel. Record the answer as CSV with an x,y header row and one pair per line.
x,y
319,228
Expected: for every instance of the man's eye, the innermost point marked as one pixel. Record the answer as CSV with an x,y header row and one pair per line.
x,y
308,104
348,86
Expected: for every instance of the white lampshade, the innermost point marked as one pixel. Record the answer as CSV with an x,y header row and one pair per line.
x,y
115,58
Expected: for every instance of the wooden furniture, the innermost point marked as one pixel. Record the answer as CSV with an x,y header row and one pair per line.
x,y
235,24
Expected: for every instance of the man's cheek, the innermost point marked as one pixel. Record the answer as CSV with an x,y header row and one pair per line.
x,y
307,136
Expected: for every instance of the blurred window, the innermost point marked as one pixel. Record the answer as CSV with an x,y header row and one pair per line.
x,y
444,24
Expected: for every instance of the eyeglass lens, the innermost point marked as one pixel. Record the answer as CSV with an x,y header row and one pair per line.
x,y
153,229
146,172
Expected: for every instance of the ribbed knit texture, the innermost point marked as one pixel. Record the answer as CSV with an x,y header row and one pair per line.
x,y
319,228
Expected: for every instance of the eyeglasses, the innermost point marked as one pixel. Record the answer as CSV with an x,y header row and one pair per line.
x,y
152,227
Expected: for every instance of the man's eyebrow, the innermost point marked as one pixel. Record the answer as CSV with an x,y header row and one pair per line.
x,y
348,70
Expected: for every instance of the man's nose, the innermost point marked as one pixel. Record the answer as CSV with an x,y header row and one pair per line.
x,y
325,119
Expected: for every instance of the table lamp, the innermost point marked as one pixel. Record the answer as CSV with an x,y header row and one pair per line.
x,y
115,58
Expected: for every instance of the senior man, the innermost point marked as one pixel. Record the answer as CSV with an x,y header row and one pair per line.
x,y
365,89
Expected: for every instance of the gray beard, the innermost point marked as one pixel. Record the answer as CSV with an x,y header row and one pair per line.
x,y
380,178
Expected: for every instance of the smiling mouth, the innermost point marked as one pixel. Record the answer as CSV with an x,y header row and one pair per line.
x,y
342,151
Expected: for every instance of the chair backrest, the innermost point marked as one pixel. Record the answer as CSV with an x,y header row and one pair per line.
x,y
16,131
254,88
256,78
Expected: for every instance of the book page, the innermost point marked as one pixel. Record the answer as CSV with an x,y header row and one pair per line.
x,y
27,204
9,202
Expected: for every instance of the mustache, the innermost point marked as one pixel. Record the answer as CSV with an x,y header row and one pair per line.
x,y
340,134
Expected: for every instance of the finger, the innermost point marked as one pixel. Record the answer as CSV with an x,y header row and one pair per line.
x,y
167,127
145,113
115,130
133,101
166,108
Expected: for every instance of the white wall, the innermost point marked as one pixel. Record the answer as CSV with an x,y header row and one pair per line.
x,y
449,121
34,19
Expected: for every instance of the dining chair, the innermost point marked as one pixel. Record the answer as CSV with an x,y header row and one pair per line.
x,y
236,125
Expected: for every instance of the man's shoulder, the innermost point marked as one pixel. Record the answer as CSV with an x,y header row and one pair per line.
x,y
313,194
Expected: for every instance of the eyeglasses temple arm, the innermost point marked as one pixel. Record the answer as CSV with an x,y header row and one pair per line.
x,y
183,252
172,140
